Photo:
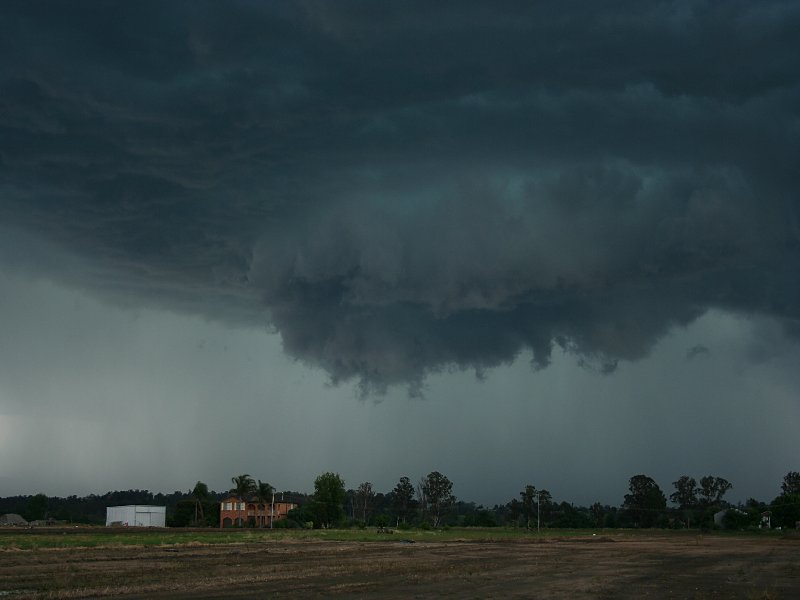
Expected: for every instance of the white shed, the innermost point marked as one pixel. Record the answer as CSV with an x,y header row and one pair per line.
x,y
136,515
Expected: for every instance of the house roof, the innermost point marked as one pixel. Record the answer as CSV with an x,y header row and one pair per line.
x,y
233,498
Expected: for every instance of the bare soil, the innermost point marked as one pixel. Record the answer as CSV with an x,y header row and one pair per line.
x,y
605,566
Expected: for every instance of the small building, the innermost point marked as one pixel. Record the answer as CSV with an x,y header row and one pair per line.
x,y
235,513
136,515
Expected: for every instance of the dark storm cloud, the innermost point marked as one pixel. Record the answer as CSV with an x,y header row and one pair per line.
x,y
410,187
697,350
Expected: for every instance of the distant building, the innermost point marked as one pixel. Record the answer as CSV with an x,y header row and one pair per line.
x,y
136,515
235,513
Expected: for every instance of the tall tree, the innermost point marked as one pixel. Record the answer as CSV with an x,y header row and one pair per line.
x,y
243,486
791,483
598,512
36,508
437,490
685,494
422,499
403,496
329,494
545,504
528,503
646,501
786,510
712,489
364,495
264,495
199,495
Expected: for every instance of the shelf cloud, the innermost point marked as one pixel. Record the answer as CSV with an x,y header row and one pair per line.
x,y
397,193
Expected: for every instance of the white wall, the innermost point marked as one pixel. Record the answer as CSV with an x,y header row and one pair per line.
x,y
137,515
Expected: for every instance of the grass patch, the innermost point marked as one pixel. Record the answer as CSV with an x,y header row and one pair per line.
x,y
101,537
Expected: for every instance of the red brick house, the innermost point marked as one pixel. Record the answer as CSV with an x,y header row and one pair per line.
x,y
235,513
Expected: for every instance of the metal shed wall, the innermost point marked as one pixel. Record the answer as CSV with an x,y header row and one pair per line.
x,y
137,515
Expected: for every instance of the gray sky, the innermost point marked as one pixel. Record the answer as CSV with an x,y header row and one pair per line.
x,y
553,244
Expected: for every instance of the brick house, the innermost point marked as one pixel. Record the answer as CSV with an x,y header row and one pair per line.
x,y
235,513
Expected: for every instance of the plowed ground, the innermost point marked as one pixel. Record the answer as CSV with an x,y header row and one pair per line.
x,y
604,566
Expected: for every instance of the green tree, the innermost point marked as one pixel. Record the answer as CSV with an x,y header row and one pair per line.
x,y
786,511
597,511
264,495
569,517
243,486
712,489
36,507
199,495
528,503
791,483
403,497
329,493
545,505
685,494
645,502
437,492
182,514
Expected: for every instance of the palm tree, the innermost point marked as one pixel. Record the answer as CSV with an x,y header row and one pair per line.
x,y
200,494
243,486
264,492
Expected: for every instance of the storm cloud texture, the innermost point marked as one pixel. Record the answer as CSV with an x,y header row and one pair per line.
x,y
401,188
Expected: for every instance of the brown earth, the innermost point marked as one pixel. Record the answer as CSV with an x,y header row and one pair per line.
x,y
606,566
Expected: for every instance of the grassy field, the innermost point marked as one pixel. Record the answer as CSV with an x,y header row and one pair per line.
x,y
93,537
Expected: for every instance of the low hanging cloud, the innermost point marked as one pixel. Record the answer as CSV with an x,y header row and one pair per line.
x,y
696,351
400,191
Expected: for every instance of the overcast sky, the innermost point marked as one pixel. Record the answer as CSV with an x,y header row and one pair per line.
x,y
554,243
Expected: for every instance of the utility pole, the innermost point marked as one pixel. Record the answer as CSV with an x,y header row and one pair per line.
x,y
272,511
538,504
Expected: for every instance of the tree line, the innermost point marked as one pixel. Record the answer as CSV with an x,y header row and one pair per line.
x,y
430,502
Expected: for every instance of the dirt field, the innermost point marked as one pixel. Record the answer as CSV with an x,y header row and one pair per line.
x,y
603,566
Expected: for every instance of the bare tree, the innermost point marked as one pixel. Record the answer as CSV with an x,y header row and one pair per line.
x,y
364,495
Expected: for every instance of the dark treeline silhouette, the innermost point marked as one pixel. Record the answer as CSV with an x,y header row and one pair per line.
x,y
91,509
430,503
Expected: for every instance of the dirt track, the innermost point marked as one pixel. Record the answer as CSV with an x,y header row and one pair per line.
x,y
595,567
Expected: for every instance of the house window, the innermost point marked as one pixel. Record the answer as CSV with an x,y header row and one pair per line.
x,y
228,506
